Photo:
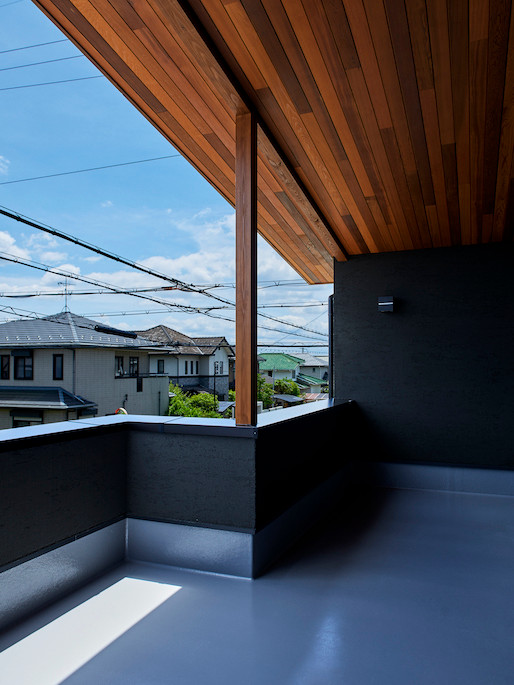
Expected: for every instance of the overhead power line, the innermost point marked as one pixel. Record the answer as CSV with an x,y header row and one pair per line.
x,y
119,291
46,61
186,287
36,45
52,83
96,168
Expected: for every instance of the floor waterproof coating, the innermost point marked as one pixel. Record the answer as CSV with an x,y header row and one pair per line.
x,y
404,588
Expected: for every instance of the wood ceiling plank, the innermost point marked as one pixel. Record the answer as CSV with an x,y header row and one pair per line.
x,y
278,93
478,90
431,122
389,166
275,51
285,213
308,31
355,15
286,180
182,60
172,14
345,109
415,215
498,40
503,225
327,195
313,268
212,17
440,46
339,28
400,40
458,26
374,240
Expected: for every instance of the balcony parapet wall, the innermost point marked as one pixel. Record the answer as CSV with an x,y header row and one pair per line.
x,y
191,492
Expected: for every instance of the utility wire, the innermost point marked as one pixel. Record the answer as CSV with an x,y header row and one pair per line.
x,y
187,287
67,274
36,45
96,168
51,83
128,291
13,2
35,64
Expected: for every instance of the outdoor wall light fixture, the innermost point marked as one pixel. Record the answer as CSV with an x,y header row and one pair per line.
x,y
386,303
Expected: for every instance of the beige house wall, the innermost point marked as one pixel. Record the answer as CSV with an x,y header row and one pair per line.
x,y
90,373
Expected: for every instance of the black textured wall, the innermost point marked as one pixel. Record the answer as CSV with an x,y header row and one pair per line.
x,y
435,378
199,479
295,456
53,491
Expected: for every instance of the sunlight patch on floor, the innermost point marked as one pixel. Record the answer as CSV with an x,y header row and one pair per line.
x,y
58,649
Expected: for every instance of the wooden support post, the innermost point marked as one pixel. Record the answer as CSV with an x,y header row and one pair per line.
x,y
246,270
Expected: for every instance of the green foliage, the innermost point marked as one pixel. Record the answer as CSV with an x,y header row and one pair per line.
x,y
205,402
184,404
283,386
264,392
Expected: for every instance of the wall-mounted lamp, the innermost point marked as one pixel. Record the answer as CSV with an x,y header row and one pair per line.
x,y
386,303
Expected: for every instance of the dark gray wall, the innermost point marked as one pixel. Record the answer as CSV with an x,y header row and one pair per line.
x,y
434,379
51,492
199,479
295,456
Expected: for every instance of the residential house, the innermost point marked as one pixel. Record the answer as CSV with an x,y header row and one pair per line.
x,y
384,140
309,373
202,364
67,366
313,373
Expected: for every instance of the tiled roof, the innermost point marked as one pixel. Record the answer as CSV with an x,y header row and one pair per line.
x,y
41,398
310,360
209,345
66,329
278,361
181,343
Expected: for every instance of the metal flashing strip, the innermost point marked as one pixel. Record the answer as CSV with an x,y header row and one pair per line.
x,y
29,586
479,481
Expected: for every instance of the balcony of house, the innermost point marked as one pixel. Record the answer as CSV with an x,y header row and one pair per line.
x,y
150,549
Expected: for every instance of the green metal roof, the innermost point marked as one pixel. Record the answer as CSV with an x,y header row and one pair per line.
x,y
310,380
279,361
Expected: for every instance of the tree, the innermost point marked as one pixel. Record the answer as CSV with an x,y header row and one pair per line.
x,y
264,393
184,404
284,386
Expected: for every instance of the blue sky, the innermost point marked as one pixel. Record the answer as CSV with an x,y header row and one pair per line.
x,y
161,213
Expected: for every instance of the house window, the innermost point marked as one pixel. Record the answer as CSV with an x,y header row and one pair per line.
x,y
221,367
160,366
118,366
185,366
139,384
58,367
197,368
134,366
6,365
23,367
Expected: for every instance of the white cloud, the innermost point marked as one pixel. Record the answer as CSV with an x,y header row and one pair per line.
x,y
41,241
4,166
51,277
107,203
8,244
53,257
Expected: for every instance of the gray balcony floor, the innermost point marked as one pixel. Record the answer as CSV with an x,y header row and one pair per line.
x,y
419,590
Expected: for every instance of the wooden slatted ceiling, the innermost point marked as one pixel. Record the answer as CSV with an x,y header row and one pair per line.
x,y
386,124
